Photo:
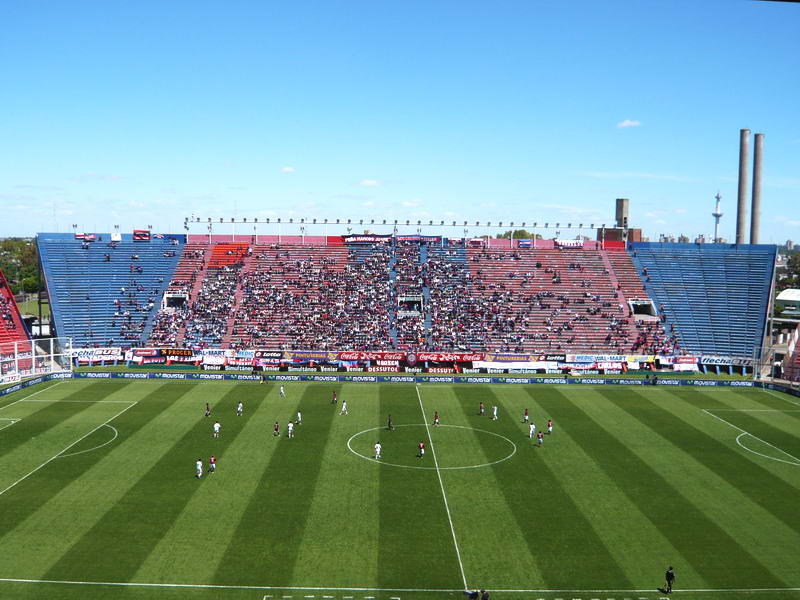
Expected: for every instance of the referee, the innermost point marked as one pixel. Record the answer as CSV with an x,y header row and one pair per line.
x,y
669,579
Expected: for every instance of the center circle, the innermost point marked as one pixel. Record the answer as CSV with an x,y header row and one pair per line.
x,y
453,444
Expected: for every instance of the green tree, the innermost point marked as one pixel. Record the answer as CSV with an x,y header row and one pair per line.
x,y
19,260
519,234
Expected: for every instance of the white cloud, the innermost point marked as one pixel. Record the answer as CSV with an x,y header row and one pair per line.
x,y
660,222
793,223
135,204
288,169
411,203
368,203
370,182
628,123
680,211
571,209
634,175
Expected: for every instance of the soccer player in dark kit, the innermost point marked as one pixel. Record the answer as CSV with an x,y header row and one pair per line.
x,y
669,579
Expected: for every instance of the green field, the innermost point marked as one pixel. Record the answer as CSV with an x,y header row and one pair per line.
x,y
31,307
97,488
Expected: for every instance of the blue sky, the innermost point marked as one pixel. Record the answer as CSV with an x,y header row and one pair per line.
x,y
145,113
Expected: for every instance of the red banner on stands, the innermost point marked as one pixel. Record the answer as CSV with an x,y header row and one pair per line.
x,y
363,356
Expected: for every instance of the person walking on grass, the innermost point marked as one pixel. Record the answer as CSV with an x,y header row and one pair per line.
x,y
669,579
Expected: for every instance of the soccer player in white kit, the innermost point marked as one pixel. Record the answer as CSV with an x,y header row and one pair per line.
x,y
532,431
239,409
377,449
217,427
199,466
299,420
290,429
494,413
344,408
282,392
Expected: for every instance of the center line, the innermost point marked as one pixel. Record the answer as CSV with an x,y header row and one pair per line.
x,y
441,485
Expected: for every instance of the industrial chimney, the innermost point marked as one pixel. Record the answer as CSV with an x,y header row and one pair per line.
x,y
622,213
741,203
755,209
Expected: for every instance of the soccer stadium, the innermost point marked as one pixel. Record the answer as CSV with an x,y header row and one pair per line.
x,y
285,404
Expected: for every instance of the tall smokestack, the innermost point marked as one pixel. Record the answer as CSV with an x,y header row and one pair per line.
x,y
741,204
755,209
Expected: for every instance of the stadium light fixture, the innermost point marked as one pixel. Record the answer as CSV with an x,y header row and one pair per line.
x,y
558,225
361,221
591,226
604,225
500,224
256,220
231,219
511,224
337,221
372,221
279,219
291,219
489,224
431,223
419,222
569,225
267,219
523,223
220,219
545,225
245,219
348,221
454,223
315,222
477,223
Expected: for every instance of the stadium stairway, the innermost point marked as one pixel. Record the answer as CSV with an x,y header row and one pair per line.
x,y
615,284
83,285
393,284
716,295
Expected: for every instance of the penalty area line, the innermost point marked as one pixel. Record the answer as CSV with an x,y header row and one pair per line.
x,y
52,458
209,586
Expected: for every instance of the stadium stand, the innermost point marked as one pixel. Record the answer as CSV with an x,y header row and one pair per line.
x,y
706,290
104,292
322,295
307,297
12,328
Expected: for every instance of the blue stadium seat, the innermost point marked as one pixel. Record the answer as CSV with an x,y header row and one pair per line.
x,y
716,295
83,285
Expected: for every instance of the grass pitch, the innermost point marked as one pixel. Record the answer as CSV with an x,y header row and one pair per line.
x,y
97,488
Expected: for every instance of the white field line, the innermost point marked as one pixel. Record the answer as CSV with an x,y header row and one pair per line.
x,y
10,423
441,485
771,393
778,410
797,460
116,435
52,458
33,394
80,401
202,586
